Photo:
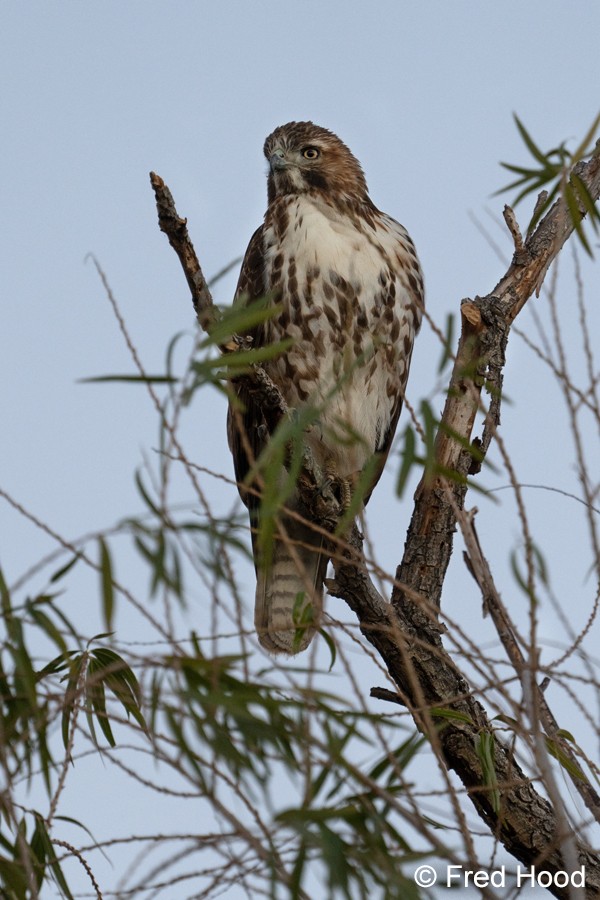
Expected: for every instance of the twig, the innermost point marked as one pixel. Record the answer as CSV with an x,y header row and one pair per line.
x,y
83,862
175,229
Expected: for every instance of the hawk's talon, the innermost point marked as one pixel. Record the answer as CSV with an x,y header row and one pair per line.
x,y
339,486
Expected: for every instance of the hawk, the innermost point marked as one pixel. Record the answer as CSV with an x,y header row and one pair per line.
x,y
348,290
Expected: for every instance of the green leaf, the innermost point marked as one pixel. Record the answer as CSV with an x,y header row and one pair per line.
x,y
46,625
555,750
5,599
56,665
60,573
145,495
71,697
331,647
241,318
298,871
556,174
398,758
96,699
409,458
587,140
448,348
129,379
240,360
587,201
529,143
441,712
106,583
575,215
45,852
303,618
14,878
121,680
485,744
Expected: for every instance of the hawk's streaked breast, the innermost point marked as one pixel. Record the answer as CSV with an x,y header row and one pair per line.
x,y
350,309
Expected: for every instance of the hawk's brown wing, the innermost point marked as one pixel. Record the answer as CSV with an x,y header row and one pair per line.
x,y
415,310
244,417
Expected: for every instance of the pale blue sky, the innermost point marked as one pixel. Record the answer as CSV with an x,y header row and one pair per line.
x,y
95,95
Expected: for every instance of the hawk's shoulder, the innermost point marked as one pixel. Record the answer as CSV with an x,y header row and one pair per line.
x,y
244,417
251,283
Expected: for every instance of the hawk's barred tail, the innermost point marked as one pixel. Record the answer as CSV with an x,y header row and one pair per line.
x,y
289,594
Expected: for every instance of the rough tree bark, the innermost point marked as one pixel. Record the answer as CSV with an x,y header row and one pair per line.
x,y
406,631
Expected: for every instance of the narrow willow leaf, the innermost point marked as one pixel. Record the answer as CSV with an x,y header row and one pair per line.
x,y
555,750
129,379
409,459
71,697
587,140
563,733
485,745
448,347
441,712
46,625
60,573
575,215
529,142
39,852
519,170
330,646
5,599
106,582
238,361
13,874
587,201
121,680
295,885
302,617
241,318
399,758
519,577
542,209
242,359
145,495
336,858
57,665
49,855
96,699
25,678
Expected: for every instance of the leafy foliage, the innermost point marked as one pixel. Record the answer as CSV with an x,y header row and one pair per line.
x,y
555,174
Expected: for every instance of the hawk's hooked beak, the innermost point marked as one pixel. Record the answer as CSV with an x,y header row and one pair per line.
x,y
277,160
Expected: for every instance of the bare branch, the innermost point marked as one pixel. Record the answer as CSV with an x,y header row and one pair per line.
x,y
175,229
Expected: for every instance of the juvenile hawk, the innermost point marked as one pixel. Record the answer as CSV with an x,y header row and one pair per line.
x,y
350,290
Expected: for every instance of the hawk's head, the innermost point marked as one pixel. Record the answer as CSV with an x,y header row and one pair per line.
x,y
305,157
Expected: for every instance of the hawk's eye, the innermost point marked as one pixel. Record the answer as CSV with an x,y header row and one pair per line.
x,y
310,153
